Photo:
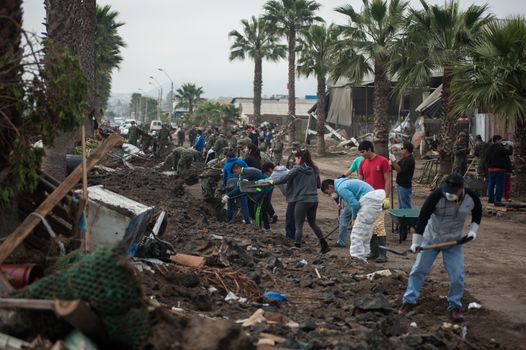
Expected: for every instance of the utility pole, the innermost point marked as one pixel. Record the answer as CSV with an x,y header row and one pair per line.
x,y
171,106
160,97
140,106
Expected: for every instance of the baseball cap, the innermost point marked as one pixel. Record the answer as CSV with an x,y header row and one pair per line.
x,y
453,182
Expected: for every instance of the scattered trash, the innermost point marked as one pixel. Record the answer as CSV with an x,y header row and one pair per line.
x,y
303,262
252,248
275,295
413,324
231,296
474,305
373,275
212,289
463,332
214,236
270,317
269,339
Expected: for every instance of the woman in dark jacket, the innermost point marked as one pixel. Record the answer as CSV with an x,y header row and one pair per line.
x,y
303,181
252,156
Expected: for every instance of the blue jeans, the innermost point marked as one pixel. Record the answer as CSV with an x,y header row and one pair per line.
x,y
243,202
345,219
404,197
290,222
495,186
453,259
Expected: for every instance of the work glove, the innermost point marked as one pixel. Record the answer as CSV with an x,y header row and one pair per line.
x,y
472,235
225,199
264,182
392,158
417,242
386,204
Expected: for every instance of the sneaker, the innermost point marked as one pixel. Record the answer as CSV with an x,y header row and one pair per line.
x,y
406,308
340,245
456,315
274,219
297,245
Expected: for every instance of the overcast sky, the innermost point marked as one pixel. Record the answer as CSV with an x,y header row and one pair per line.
x,y
189,39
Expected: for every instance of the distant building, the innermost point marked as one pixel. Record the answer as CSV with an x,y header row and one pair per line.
x,y
274,110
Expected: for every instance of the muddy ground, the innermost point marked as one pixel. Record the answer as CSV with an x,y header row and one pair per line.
x,y
332,302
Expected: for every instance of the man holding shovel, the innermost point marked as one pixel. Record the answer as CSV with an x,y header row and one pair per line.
x,y
442,219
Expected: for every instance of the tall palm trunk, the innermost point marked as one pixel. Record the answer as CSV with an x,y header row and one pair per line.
x,y
63,29
87,58
258,82
519,156
381,109
322,115
190,106
291,85
448,123
10,94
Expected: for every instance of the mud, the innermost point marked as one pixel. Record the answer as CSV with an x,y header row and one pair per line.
x,y
335,306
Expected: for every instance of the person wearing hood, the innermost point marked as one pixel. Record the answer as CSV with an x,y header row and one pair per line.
x,y
303,181
365,203
442,219
229,179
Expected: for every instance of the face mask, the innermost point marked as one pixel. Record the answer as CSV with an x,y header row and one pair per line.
x,y
451,197
334,195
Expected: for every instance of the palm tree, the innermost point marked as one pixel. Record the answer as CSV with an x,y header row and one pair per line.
x,y
366,46
258,41
314,47
495,81
438,38
188,95
289,17
108,44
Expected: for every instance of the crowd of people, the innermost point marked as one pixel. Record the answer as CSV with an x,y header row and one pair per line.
x,y
243,174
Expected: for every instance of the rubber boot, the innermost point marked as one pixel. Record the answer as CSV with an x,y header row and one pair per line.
x,y
382,240
324,246
374,248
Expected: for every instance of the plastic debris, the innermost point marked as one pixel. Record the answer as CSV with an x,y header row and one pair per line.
x,y
474,305
275,295
214,236
212,289
463,332
380,273
413,324
251,248
231,296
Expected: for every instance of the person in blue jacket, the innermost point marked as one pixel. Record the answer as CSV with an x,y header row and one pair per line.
x,y
199,144
365,203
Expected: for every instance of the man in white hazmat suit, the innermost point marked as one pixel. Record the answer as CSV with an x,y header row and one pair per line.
x,y
442,219
366,204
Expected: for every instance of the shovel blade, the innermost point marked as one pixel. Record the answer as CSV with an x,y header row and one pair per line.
x,y
394,251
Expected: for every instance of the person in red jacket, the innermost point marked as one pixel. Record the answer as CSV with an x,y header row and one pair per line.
x,y
375,170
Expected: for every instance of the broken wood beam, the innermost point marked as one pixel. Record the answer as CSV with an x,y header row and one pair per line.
x,y
16,237
188,260
29,304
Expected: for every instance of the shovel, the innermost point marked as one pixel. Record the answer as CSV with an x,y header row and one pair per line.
x,y
442,245
252,186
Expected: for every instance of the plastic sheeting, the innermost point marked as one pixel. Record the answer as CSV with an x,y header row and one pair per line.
x,y
341,106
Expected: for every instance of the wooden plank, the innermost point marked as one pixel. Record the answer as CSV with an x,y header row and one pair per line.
x,y
5,286
85,188
80,316
31,221
188,260
30,304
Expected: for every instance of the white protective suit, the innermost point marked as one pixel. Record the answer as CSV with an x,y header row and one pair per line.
x,y
370,208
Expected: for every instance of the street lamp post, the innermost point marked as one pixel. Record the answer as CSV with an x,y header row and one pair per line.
x,y
171,107
160,97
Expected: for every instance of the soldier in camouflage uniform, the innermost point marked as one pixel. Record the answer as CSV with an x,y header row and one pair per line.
x,y
164,136
245,140
181,159
232,140
460,152
210,141
277,150
180,137
296,146
212,179
220,145
133,134
192,134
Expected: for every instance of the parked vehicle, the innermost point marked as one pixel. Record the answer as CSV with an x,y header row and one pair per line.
x,y
155,126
